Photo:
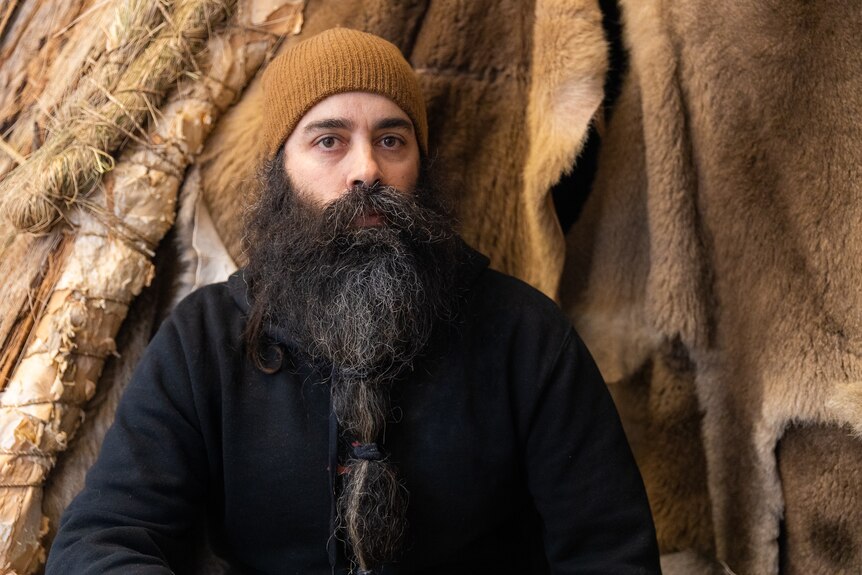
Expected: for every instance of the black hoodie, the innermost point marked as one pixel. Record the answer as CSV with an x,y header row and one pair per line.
x,y
505,437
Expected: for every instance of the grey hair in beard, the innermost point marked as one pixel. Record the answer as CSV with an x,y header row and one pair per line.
x,y
359,302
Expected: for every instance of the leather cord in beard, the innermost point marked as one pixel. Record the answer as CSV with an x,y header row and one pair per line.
x,y
360,303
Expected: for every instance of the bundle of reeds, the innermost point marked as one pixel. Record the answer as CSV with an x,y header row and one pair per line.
x,y
112,105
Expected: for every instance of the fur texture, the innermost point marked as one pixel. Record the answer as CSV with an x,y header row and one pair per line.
x,y
822,483
690,563
724,226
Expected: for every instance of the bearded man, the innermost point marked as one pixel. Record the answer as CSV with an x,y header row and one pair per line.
x,y
366,396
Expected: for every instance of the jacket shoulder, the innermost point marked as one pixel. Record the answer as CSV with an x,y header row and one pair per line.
x,y
499,293
208,315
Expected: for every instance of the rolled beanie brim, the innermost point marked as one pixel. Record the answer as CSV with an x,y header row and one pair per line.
x,y
333,62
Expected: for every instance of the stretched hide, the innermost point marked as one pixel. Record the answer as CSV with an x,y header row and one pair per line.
x,y
721,243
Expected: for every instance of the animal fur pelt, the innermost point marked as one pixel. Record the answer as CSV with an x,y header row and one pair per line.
x,y
718,258
690,563
821,478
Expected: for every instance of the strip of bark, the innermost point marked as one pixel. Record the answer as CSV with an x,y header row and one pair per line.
x,y
17,337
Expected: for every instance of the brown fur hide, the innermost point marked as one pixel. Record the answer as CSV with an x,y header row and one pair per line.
x,y
822,483
722,242
690,563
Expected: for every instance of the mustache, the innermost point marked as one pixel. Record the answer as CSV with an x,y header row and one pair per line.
x,y
400,210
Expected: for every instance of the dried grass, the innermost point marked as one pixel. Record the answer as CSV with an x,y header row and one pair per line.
x,y
111,106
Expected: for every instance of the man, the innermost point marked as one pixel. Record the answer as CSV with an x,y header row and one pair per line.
x,y
366,396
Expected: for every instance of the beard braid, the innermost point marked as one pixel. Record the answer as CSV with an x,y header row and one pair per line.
x,y
360,302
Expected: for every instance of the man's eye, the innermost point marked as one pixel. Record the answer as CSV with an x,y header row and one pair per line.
x,y
328,142
390,142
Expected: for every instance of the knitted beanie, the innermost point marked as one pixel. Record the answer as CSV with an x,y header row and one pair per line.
x,y
332,62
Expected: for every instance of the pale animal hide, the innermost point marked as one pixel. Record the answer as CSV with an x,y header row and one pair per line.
x,y
718,257
203,257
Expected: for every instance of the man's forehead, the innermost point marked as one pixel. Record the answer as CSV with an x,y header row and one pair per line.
x,y
348,110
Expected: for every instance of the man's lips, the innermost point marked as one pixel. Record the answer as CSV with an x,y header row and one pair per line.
x,y
368,220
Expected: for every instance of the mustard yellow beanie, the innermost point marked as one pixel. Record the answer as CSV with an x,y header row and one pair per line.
x,y
335,61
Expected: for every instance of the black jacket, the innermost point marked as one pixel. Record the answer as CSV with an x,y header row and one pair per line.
x,y
505,436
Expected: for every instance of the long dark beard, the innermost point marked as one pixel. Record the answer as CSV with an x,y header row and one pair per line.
x,y
361,302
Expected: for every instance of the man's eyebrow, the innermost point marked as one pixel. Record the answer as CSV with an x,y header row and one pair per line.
x,y
395,122
345,124
329,124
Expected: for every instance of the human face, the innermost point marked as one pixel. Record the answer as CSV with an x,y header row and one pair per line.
x,y
349,139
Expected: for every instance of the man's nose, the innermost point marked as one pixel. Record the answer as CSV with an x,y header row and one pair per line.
x,y
363,167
